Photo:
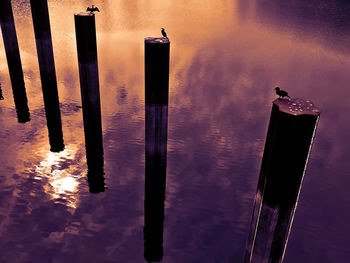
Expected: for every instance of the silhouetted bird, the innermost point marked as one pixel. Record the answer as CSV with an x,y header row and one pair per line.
x,y
163,33
281,93
92,9
1,97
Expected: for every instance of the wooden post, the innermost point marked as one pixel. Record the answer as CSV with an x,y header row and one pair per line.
x,y
288,143
14,61
157,52
90,95
156,93
41,23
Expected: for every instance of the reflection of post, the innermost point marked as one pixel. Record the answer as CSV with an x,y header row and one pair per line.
x,y
41,23
14,60
90,95
156,92
1,97
288,143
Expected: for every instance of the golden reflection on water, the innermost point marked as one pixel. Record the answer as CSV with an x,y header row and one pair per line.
x,y
60,183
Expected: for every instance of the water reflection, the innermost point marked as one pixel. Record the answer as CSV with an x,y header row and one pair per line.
x,y
94,152
327,21
59,181
1,96
155,178
222,73
14,61
94,157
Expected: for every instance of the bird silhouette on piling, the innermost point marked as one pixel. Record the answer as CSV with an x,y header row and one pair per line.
x,y
281,93
92,9
164,33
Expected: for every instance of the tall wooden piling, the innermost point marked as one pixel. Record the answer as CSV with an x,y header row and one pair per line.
x,y
41,23
156,114
9,36
157,53
287,149
90,95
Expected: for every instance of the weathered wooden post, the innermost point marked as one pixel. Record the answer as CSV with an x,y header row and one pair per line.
x,y
156,92
41,23
14,61
85,30
157,53
288,143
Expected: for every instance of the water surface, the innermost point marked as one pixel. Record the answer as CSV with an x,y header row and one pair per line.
x,y
226,58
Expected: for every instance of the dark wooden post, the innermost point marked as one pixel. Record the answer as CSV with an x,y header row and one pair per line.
x,y
14,61
157,52
288,143
41,23
156,93
90,95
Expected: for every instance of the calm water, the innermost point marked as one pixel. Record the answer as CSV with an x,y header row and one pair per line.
x,y
226,58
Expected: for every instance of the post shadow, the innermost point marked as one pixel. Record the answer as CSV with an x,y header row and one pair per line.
x,y
41,23
90,95
287,149
9,36
156,115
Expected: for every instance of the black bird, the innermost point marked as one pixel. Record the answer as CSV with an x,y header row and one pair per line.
x,y
163,33
92,9
281,93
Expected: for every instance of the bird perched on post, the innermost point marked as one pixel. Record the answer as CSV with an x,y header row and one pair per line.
x,y
163,33
92,9
281,93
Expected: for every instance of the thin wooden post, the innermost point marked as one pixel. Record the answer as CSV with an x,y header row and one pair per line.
x,y
156,93
41,23
90,95
9,36
288,143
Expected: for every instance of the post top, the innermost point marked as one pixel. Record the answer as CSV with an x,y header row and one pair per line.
x,y
157,40
84,14
296,106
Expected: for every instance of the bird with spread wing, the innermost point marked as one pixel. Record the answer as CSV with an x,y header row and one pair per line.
x,y
92,9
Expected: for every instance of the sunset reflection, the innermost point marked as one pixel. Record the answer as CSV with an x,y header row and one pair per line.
x,y
61,183
226,58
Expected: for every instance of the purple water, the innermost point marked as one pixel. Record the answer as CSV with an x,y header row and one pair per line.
x,y
226,59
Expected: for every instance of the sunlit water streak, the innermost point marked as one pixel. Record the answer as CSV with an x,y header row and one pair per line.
x,y
226,58
61,182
